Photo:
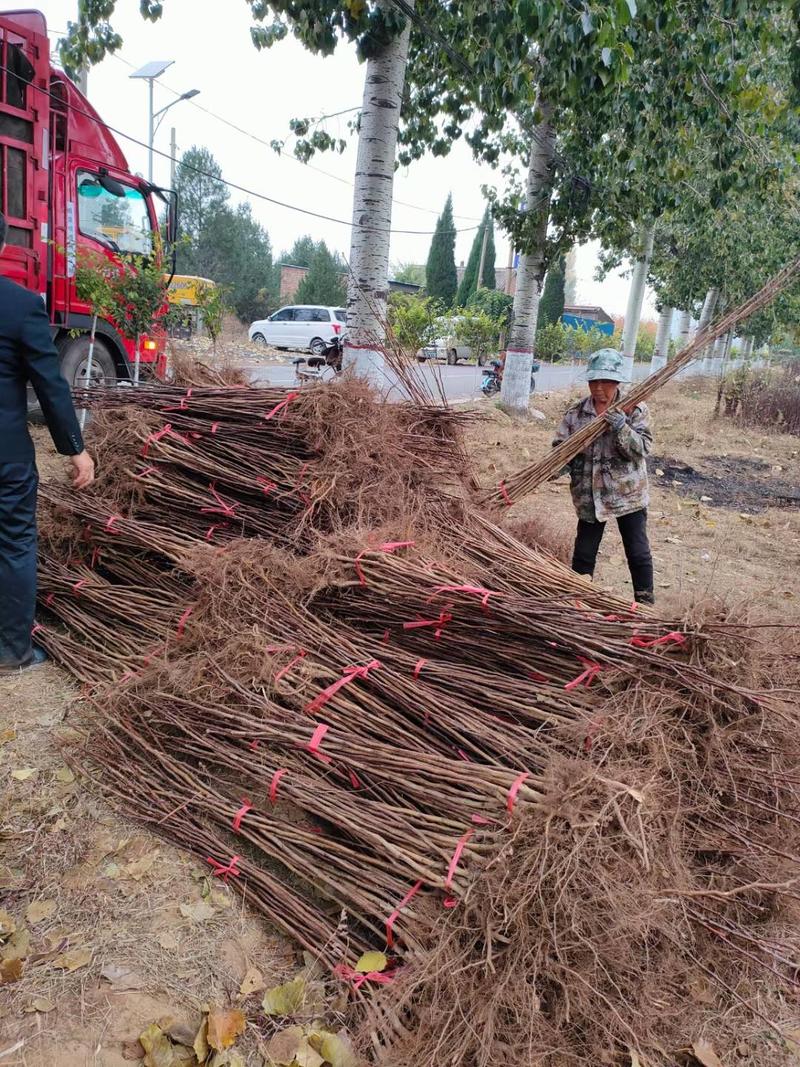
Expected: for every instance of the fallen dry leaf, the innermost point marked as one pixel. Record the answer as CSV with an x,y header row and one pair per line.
x,y
22,774
338,1051
74,960
7,924
167,940
307,1056
137,869
132,1050
252,982
7,735
200,1046
18,945
65,775
283,1046
224,1026
286,999
39,910
372,961
157,1046
198,912
705,1052
10,971
121,977
41,1004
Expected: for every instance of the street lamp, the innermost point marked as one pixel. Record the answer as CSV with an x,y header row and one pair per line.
x,y
149,73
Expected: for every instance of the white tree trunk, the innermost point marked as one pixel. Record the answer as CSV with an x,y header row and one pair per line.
x,y
516,388
709,307
372,207
684,329
633,312
661,350
571,278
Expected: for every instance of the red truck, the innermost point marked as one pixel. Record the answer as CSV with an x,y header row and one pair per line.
x,y
65,186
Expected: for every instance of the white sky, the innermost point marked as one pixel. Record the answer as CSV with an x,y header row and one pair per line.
x,y
260,92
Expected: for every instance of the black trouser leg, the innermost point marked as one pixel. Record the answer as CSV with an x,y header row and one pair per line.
x,y
587,544
633,529
18,484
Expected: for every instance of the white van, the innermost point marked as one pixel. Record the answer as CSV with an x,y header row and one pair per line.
x,y
308,328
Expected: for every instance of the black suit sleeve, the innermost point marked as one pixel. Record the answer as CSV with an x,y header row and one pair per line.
x,y
42,371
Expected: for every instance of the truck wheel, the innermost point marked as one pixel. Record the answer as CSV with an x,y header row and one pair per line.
x,y
73,361
452,357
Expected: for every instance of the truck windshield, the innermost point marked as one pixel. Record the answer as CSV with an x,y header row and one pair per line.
x,y
118,222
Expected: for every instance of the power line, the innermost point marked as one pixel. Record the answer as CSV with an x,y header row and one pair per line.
x,y
233,185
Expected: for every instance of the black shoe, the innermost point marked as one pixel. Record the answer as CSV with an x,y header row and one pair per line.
x,y
37,658
645,596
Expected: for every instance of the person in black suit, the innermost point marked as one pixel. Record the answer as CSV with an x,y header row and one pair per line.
x,y
27,354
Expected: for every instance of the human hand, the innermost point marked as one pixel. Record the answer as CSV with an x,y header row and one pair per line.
x,y
82,470
616,420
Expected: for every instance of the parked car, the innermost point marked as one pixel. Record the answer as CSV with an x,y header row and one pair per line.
x,y
306,328
448,346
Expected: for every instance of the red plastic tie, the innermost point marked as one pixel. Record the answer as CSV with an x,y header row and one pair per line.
x,y
341,970
388,547
157,436
462,755
273,789
226,509
481,820
95,557
282,405
37,628
385,638
349,674
474,590
79,585
504,494
225,871
671,638
396,913
266,485
49,599
586,677
537,676
613,618
451,870
110,524
354,779
419,665
420,624
253,745
516,785
215,426
240,814
182,622
301,655
145,472
210,531
313,745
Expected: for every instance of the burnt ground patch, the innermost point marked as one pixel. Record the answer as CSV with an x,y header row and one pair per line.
x,y
749,485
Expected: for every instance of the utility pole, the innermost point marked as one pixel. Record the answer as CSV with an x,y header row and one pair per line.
x,y
173,157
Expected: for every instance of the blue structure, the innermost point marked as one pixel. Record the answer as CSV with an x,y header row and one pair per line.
x,y
584,317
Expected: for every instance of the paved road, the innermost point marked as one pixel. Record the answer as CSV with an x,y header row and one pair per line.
x,y
460,382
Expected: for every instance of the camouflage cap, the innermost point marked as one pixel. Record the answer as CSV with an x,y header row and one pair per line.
x,y
606,364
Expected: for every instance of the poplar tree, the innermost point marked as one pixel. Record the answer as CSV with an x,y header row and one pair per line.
x,y
440,271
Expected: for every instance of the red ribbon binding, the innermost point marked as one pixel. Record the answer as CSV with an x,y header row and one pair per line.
x,y
312,746
396,913
215,426
266,485
420,624
224,871
474,590
349,674
182,622
37,628
145,472
587,677
240,814
226,509
110,524
418,667
341,970
49,599
451,870
165,431
388,547
79,585
282,405
671,638
504,494
516,785
301,655
273,789
354,780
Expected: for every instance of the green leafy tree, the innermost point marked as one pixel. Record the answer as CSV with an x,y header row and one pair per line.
x,y
302,252
201,196
551,306
326,282
480,331
470,281
414,273
440,270
235,252
496,304
413,319
137,299
488,278
211,299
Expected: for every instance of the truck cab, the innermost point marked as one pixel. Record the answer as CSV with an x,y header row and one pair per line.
x,y
67,188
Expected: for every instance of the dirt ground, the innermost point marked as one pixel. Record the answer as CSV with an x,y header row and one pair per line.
x,y
117,930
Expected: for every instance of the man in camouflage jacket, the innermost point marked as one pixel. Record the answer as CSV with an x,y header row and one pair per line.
x,y
609,479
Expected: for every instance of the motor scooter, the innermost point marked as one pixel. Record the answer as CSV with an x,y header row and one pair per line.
x,y
493,377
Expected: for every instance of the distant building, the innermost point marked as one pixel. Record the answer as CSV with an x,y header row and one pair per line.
x,y
292,275
587,317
